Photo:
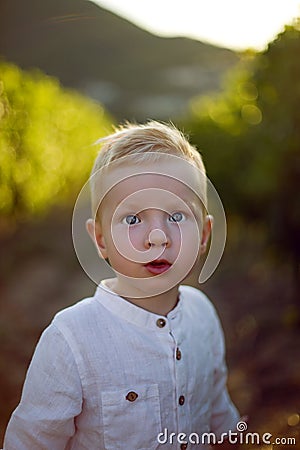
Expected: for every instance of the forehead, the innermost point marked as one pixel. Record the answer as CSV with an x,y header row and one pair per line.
x,y
178,176
148,181
150,188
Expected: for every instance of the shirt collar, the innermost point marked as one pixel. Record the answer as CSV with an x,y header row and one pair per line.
x,y
133,313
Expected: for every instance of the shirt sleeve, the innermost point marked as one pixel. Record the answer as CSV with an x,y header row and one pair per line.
x,y
224,414
51,398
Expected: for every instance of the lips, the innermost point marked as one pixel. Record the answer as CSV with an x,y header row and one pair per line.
x,y
158,266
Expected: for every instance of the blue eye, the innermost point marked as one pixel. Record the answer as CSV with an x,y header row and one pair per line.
x,y
176,217
131,219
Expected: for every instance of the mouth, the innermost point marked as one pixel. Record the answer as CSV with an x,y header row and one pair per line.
x,y
158,266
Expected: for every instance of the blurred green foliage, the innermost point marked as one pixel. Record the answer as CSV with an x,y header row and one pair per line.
x,y
249,136
46,137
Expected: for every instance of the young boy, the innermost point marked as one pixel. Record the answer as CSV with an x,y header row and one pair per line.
x,y
140,365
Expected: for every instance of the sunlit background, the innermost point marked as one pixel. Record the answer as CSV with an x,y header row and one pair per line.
x,y
228,74
236,24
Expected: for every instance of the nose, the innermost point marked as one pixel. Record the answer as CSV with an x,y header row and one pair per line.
x,y
158,233
157,238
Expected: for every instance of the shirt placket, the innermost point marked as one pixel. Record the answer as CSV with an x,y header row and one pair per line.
x,y
170,326
179,361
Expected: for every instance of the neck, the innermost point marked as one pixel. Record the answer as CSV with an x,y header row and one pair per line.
x,y
160,304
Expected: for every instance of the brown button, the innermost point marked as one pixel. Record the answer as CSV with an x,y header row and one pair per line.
x,y
183,447
160,323
131,396
181,400
178,354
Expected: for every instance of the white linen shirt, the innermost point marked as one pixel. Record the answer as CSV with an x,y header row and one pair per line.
x,y
107,374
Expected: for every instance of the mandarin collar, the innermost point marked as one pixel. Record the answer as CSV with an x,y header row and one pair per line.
x,y
133,313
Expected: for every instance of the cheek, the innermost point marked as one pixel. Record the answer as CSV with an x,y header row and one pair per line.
x,y
125,240
136,237
176,234
110,231
190,238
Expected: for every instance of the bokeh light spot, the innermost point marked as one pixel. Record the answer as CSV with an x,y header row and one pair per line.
x,y
293,420
251,114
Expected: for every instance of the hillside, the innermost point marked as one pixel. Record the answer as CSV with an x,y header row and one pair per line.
x,y
134,73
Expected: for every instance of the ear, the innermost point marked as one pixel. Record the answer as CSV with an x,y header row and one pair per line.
x,y
206,231
94,230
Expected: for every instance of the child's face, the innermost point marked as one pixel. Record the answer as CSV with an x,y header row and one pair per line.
x,y
151,229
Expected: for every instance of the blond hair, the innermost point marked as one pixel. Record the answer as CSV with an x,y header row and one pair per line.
x,y
143,141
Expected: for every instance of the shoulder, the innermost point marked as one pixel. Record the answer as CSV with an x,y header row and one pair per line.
x,y
80,316
200,311
198,308
82,307
76,326
196,300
